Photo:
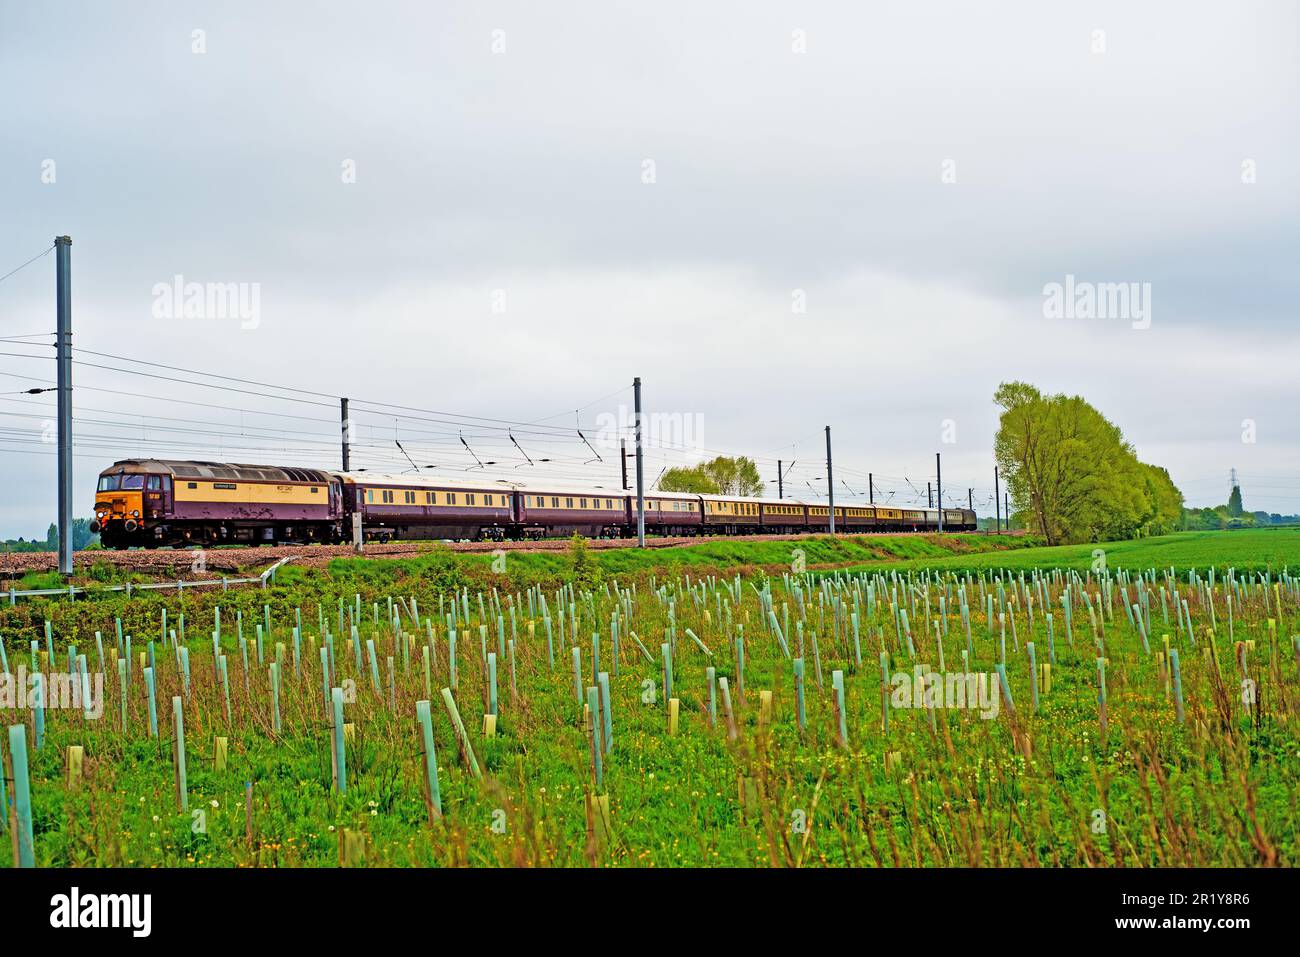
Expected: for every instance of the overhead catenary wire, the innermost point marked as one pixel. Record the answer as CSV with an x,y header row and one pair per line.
x,y
145,429
44,252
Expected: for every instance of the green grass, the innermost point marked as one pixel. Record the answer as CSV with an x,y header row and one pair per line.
x,y
1018,790
1247,550
529,567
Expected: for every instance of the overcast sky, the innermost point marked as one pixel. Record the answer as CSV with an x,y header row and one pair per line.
x,y
781,216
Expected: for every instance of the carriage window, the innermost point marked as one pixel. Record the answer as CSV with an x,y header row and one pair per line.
x,y
428,498
555,502
451,498
568,503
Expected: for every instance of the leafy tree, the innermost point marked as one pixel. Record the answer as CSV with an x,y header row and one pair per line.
x,y
1165,502
81,534
1071,475
720,476
683,479
1234,502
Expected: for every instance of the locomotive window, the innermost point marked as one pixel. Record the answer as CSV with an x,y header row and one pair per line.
x,y
192,484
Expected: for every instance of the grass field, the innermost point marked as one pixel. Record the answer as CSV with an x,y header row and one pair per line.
x,y
1040,773
1247,550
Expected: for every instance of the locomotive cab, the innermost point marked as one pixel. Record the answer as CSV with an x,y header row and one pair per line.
x,y
128,500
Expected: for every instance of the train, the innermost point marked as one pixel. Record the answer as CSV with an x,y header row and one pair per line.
x,y
152,503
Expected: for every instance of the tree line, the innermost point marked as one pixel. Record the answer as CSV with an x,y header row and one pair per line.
x,y
1071,475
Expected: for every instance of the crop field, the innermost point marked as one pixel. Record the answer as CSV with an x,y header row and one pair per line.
x,y
939,704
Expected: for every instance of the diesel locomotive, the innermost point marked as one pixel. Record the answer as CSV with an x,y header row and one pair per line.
x,y
154,502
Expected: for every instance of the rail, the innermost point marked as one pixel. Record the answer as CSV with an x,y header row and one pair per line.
x,y
72,591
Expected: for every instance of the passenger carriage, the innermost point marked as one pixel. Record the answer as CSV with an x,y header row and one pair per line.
x,y
592,511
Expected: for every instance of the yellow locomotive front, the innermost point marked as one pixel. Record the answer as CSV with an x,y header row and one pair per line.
x,y
127,497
